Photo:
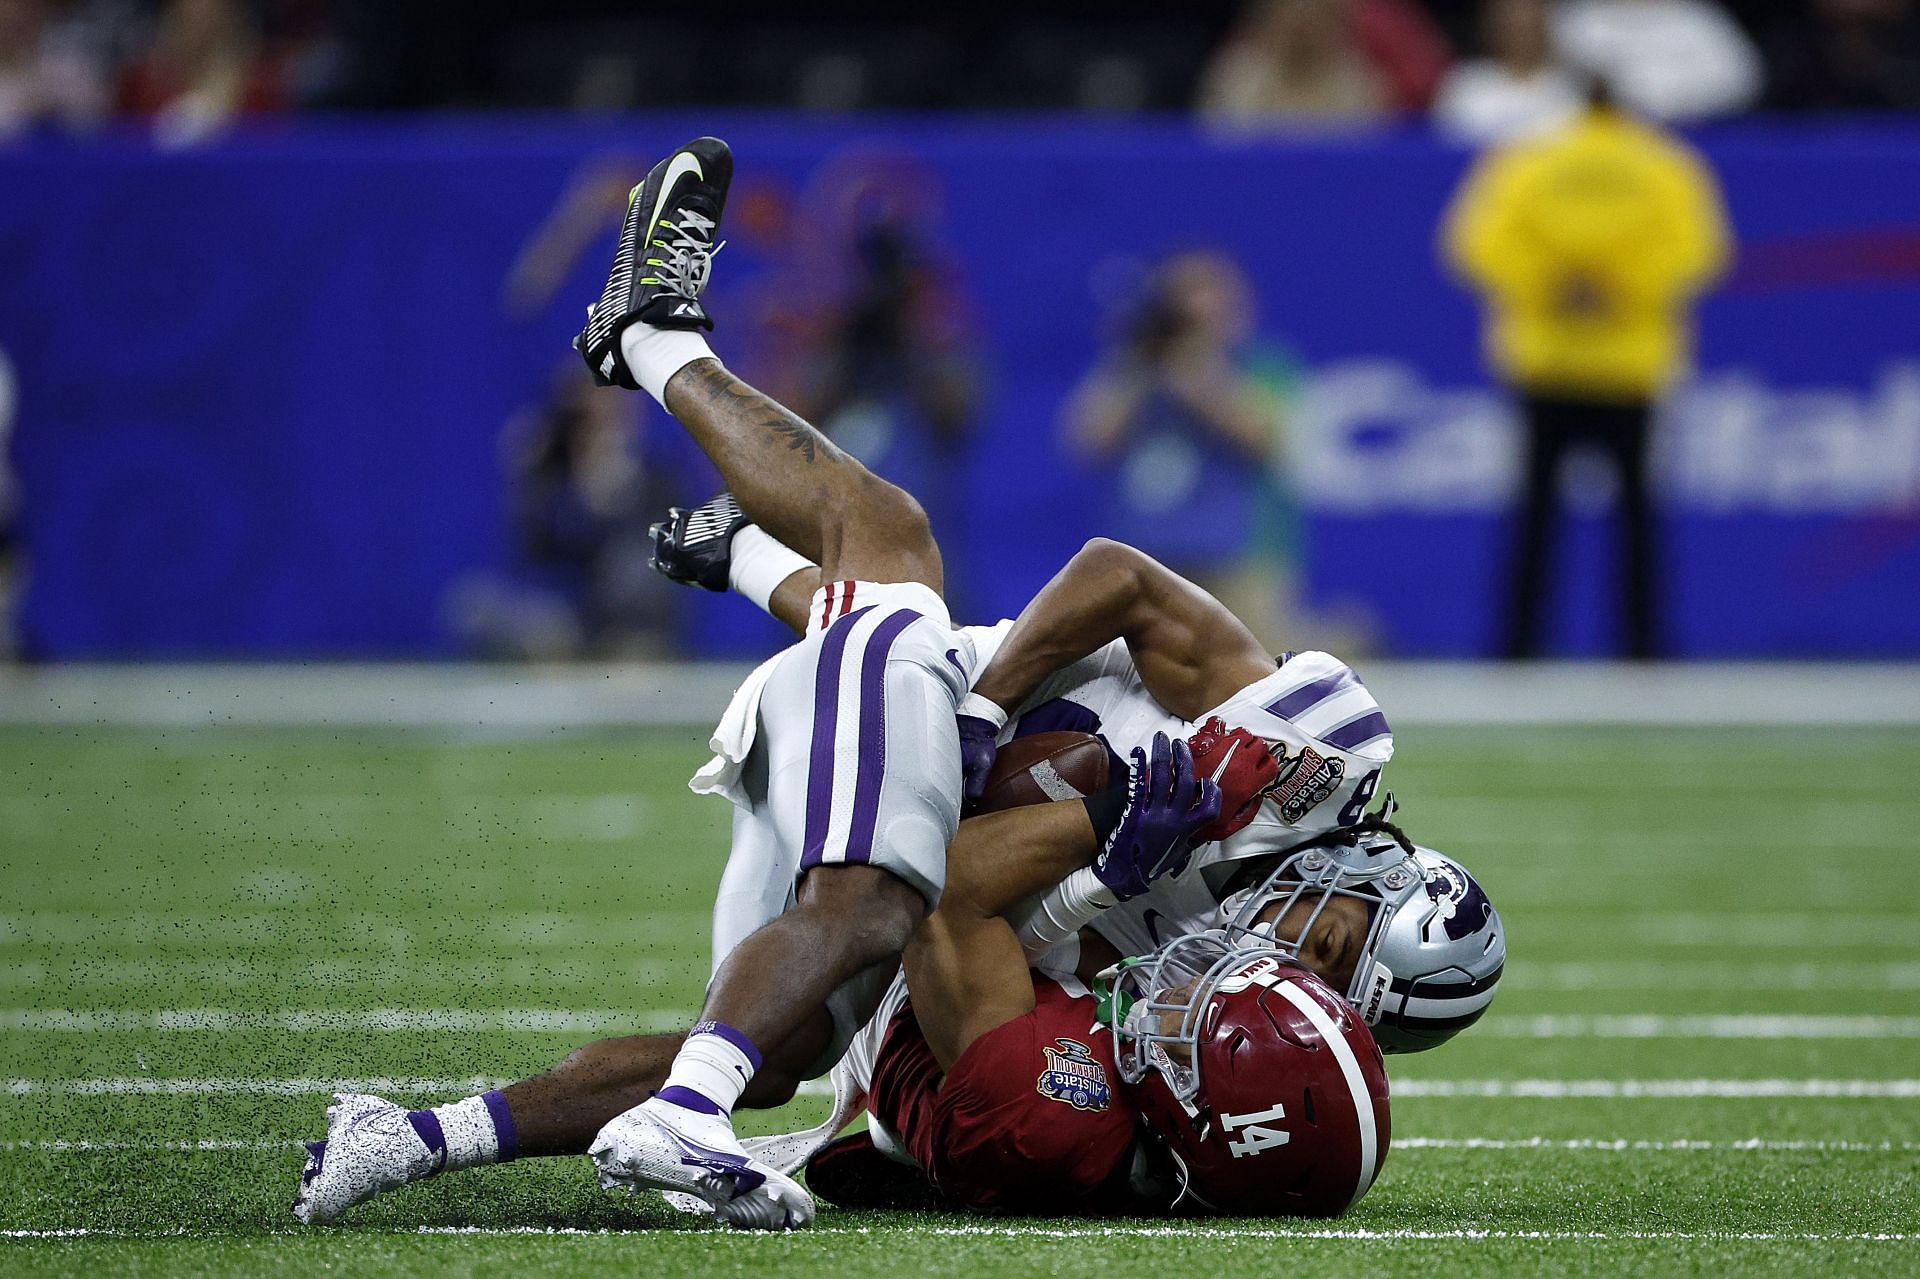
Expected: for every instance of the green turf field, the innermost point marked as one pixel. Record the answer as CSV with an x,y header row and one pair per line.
x,y
1706,1057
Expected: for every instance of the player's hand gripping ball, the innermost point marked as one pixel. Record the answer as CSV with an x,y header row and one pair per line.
x,y
977,751
1167,807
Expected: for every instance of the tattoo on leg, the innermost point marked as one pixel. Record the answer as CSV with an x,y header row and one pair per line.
x,y
728,395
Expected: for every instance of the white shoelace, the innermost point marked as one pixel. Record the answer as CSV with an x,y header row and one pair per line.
x,y
687,257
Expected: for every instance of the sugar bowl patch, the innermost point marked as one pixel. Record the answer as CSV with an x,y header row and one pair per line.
x,y
1073,1076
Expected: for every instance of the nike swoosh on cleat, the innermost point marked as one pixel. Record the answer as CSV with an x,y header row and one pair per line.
x,y
719,1162
683,163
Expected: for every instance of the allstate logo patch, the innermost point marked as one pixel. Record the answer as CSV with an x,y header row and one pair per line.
x,y
1073,1076
1305,782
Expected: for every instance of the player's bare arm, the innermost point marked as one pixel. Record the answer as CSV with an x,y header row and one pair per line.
x,y
1191,651
966,969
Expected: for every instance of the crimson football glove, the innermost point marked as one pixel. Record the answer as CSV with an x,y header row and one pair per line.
x,y
1243,767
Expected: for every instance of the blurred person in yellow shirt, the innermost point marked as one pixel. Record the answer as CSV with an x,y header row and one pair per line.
x,y
1589,245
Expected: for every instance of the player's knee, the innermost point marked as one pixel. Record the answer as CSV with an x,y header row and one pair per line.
x,y
871,911
894,512
1107,555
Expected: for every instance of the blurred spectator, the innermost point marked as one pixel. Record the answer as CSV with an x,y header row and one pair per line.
x,y
1189,414
1669,59
1847,54
1516,87
898,340
1406,49
202,70
581,500
1292,61
1590,245
865,321
46,75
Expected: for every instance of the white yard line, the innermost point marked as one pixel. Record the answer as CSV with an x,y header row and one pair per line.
x,y
83,1146
1610,1145
491,929
141,1086
1625,1089
1640,974
124,1085
569,1020
1736,1089
1223,1233
626,1021
506,929
1821,930
1600,1145
1700,1026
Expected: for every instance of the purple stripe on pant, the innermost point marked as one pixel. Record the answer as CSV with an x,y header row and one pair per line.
x,y
873,734
826,715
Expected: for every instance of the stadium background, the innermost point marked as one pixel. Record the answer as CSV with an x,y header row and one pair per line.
x,y
266,384
282,443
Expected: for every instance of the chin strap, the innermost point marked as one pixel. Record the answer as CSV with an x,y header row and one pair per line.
x,y
1112,1003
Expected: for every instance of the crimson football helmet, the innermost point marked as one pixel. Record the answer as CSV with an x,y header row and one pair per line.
x,y
1265,1088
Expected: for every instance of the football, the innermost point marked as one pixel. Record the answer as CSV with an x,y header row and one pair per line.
x,y
1046,767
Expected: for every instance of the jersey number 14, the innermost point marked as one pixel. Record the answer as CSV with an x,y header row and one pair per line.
x,y
1255,1136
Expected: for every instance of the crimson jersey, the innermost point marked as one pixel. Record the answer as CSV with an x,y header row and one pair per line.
x,y
1032,1118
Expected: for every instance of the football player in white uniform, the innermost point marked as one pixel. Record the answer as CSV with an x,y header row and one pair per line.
x,y
1120,646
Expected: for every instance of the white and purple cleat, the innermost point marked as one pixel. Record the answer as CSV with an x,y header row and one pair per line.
x,y
658,1145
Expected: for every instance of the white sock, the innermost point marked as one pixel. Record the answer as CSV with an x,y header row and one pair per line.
x,y
760,563
655,355
713,1067
472,1132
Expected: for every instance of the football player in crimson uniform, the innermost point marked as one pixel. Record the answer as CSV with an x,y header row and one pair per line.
x,y
1120,646
1205,1077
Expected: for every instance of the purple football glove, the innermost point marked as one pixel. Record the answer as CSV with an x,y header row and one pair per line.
x,y
977,749
1166,808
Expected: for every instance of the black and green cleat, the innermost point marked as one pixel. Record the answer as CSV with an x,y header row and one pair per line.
x,y
666,251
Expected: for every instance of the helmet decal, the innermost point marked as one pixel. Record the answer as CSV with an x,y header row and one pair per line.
x,y
1460,906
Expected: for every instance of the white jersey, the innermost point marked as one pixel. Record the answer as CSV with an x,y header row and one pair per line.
x,y
1329,736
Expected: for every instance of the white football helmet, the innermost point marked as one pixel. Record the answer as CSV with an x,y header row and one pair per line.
x,y
1434,949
